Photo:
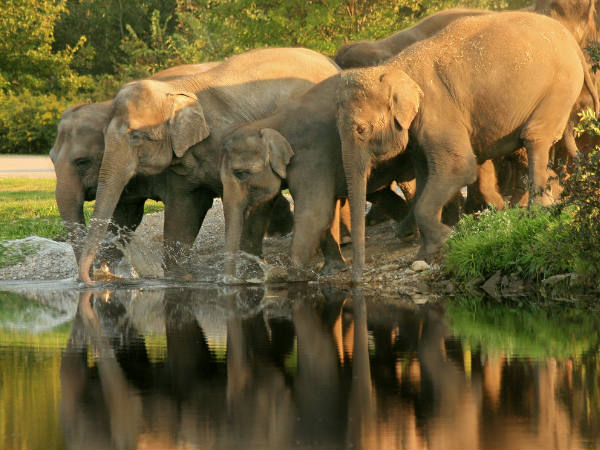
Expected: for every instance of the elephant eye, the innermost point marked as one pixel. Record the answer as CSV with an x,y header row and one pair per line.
x,y
138,136
362,130
241,175
82,164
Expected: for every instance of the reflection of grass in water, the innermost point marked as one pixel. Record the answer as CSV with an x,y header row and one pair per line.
x,y
531,332
18,310
30,388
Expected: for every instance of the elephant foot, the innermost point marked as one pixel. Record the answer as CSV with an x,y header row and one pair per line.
x,y
296,273
407,231
332,267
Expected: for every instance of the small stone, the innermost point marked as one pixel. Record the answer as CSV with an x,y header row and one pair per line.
x,y
419,266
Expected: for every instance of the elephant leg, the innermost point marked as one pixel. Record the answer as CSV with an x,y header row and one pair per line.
x,y
488,184
330,244
282,219
184,214
255,227
537,155
386,205
313,215
126,218
345,222
445,178
452,209
407,228
519,168
485,190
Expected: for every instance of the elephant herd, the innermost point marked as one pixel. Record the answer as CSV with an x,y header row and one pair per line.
x,y
441,105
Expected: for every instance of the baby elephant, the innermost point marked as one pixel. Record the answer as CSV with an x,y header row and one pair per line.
x,y
299,146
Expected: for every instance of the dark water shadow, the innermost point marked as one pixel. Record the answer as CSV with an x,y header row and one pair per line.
x,y
294,366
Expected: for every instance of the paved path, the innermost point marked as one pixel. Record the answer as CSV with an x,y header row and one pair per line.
x,y
29,166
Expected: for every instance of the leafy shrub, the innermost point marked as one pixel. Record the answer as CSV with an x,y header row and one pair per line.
x,y
28,121
582,191
534,243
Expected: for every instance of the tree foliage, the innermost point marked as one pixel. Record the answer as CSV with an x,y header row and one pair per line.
x,y
58,52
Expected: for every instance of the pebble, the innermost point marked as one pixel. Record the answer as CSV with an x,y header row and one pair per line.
x,y
419,266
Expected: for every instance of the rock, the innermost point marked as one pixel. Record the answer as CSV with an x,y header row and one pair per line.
x,y
419,266
554,279
491,285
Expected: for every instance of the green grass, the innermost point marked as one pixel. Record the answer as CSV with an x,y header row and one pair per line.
x,y
28,208
532,242
536,332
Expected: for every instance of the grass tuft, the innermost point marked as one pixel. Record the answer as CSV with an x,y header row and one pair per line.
x,y
533,242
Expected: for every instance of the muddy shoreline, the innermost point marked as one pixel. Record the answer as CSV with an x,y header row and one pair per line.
x,y
387,266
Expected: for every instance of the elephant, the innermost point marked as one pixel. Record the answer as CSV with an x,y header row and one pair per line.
x,y
578,16
178,124
77,156
441,102
298,146
372,53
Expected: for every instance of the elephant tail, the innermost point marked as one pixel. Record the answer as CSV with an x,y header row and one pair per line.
x,y
589,83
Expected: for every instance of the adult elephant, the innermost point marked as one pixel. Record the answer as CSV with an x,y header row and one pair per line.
x,y
494,181
458,112
77,156
178,125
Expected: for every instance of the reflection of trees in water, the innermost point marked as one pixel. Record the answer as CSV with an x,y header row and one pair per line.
x,y
321,368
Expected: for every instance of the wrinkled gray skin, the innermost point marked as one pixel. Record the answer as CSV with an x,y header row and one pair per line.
x,y
178,125
297,146
77,156
459,98
372,53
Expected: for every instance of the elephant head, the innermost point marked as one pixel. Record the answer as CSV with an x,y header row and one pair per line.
x,y
375,109
77,156
254,163
578,16
150,122
361,54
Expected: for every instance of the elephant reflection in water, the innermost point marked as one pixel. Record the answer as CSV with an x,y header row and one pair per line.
x,y
101,406
114,422
260,411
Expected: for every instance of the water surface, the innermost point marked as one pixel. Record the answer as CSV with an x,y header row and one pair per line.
x,y
294,366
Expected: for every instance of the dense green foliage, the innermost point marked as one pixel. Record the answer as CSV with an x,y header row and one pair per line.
x,y
582,190
54,53
534,243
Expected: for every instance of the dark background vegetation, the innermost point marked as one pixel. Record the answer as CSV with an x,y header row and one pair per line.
x,y
56,53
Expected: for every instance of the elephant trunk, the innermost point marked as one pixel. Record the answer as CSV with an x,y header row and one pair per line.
x,y
234,205
355,168
110,187
70,197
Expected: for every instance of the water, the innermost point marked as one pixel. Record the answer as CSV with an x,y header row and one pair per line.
x,y
157,365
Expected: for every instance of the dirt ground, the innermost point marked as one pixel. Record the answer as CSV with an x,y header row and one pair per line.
x,y
387,267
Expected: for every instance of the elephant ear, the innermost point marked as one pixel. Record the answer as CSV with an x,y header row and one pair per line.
x,y
279,150
187,125
405,97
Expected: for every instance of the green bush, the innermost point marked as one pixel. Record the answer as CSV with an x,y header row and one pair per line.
x,y
534,243
582,191
28,121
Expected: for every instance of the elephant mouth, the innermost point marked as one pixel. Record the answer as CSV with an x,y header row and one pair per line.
x,y
90,194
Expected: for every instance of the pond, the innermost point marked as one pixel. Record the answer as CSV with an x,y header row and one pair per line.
x,y
301,365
